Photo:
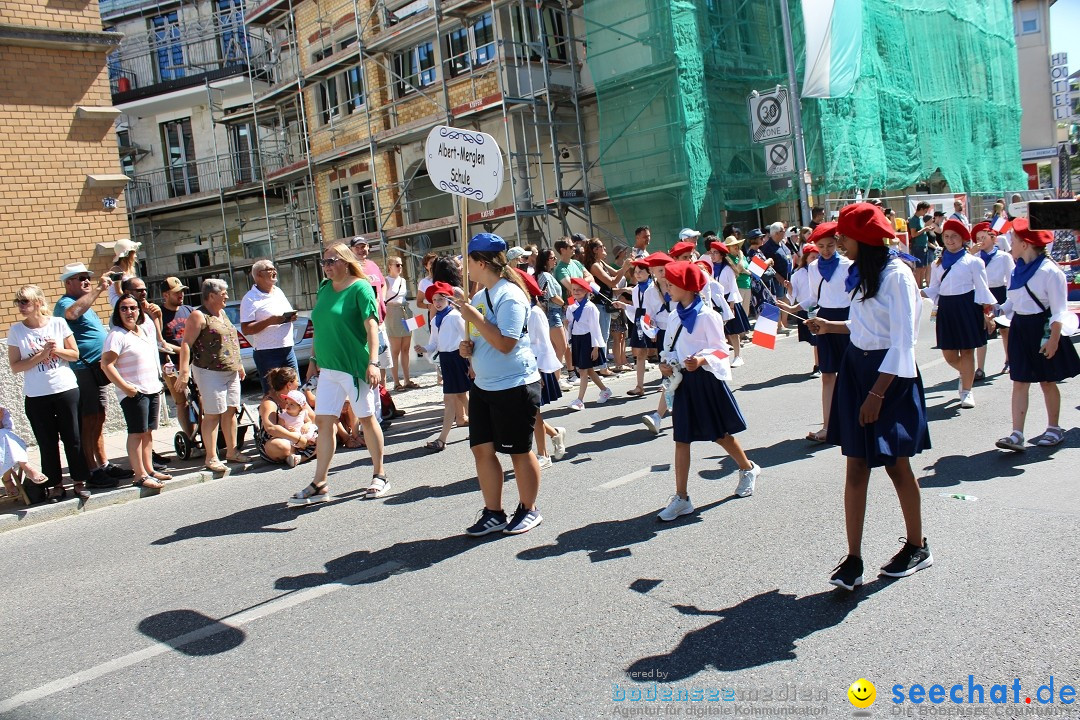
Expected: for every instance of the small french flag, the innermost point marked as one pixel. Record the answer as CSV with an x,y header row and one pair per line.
x,y
415,323
765,329
595,287
716,361
648,328
758,266
1002,225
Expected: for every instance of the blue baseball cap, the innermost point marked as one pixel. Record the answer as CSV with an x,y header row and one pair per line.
x,y
487,242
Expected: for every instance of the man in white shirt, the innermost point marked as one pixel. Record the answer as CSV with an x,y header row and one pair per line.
x,y
266,320
958,212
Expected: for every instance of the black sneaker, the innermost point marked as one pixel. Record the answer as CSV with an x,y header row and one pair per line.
x,y
910,560
523,521
160,461
120,473
98,479
848,574
490,521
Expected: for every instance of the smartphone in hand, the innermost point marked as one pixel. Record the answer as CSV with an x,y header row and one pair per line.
x,y
289,316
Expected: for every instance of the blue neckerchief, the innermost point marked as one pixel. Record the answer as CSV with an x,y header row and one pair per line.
x,y
718,268
852,281
689,315
667,303
440,315
828,267
580,308
948,259
1024,271
987,256
641,288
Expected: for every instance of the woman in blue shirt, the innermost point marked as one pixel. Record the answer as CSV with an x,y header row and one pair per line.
x,y
506,390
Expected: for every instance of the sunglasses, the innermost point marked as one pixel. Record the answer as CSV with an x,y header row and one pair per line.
x,y
328,262
128,308
23,303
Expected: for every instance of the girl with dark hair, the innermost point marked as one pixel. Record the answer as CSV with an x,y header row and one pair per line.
x,y
446,270
878,414
726,273
634,309
999,268
552,302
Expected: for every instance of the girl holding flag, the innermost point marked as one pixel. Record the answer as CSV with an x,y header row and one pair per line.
x,y
658,304
958,286
726,273
586,342
634,309
999,268
549,365
878,412
1040,349
828,277
703,407
447,333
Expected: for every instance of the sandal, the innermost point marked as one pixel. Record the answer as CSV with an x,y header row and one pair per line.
x,y
310,495
412,385
377,488
238,458
398,387
293,460
818,437
435,446
148,483
1053,436
216,467
38,479
636,392
1014,442
161,476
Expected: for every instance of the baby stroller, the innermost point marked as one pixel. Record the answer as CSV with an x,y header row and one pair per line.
x,y
185,445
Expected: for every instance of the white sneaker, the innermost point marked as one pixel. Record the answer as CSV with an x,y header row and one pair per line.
x,y
544,461
746,480
967,399
738,362
605,395
676,506
652,421
563,385
576,405
558,442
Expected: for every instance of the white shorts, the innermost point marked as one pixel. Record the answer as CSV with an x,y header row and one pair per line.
x,y
218,389
335,387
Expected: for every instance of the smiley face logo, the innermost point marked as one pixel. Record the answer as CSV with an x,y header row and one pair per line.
x,y
862,693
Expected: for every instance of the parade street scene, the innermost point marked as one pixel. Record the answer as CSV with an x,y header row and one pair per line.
x,y
446,359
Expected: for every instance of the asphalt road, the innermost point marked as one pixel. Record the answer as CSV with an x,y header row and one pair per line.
x,y
219,602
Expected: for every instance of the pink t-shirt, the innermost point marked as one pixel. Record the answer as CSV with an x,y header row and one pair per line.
x,y
378,283
136,358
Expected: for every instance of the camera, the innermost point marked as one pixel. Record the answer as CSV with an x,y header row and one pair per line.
x,y
1054,214
116,277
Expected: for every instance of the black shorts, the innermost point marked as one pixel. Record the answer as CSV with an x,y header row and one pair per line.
x,y
141,412
93,390
504,417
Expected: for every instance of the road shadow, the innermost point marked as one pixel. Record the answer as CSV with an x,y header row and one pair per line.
x,y
757,631
610,539
420,493
792,379
779,453
191,633
952,470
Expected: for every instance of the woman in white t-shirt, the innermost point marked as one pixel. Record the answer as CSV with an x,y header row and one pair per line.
x,y
399,334
41,346
130,361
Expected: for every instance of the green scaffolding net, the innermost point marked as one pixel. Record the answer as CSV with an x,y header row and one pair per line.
x,y
937,91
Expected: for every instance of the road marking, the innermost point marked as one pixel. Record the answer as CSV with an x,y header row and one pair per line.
x,y
624,479
282,602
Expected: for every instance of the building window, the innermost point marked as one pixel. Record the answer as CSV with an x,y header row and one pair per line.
x,y
127,161
343,212
415,68
242,145
1029,22
181,170
168,46
352,82
393,17
326,92
551,30
194,260
470,46
234,42
366,218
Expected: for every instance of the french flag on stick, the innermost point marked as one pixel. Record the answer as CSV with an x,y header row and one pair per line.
x,y
758,266
716,362
648,328
415,323
765,329
1002,225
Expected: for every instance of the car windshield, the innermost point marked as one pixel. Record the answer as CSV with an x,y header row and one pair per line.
x,y
233,311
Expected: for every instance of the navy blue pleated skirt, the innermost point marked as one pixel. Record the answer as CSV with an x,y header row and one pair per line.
x,y
900,431
738,324
832,346
581,352
1000,294
638,339
1027,364
660,340
704,410
455,373
804,332
549,388
960,323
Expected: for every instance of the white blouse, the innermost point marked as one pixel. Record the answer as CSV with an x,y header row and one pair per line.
x,y
540,341
1048,285
589,324
967,274
889,320
713,296
448,337
708,335
999,269
654,306
396,292
637,300
729,281
800,288
830,293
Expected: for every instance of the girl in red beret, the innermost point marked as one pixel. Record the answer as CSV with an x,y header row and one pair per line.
x,y
586,342
878,415
1040,349
549,365
447,333
999,266
659,305
958,286
726,272
635,311
703,408
827,278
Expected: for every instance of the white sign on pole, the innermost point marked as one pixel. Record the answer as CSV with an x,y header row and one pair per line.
x,y
769,117
464,162
779,158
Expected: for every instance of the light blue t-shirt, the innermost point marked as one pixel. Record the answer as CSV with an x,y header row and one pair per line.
x,y
506,306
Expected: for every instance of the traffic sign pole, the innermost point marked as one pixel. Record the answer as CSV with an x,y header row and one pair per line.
x,y
796,114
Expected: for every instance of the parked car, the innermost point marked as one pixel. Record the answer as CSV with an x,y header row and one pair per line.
x,y
303,332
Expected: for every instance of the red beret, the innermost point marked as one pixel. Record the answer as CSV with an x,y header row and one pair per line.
x,y
530,283
704,265
720,248
1022,230
681,248
582,283
825,229
957,227
685,275
983,227
658,259
864,223
439,288
809,248
640,263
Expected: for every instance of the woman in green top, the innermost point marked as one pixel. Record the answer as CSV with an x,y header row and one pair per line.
x,y
742,271
345,353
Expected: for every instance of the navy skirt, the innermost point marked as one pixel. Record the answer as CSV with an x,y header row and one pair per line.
x,y
704,410
637,338
738,324
549,388
900,431
804,332
1027,364
455,373
960,323
660,340
832,346
1000,294
581,348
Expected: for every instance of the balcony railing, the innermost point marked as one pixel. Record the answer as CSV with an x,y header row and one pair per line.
x,y
221,172
172,56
